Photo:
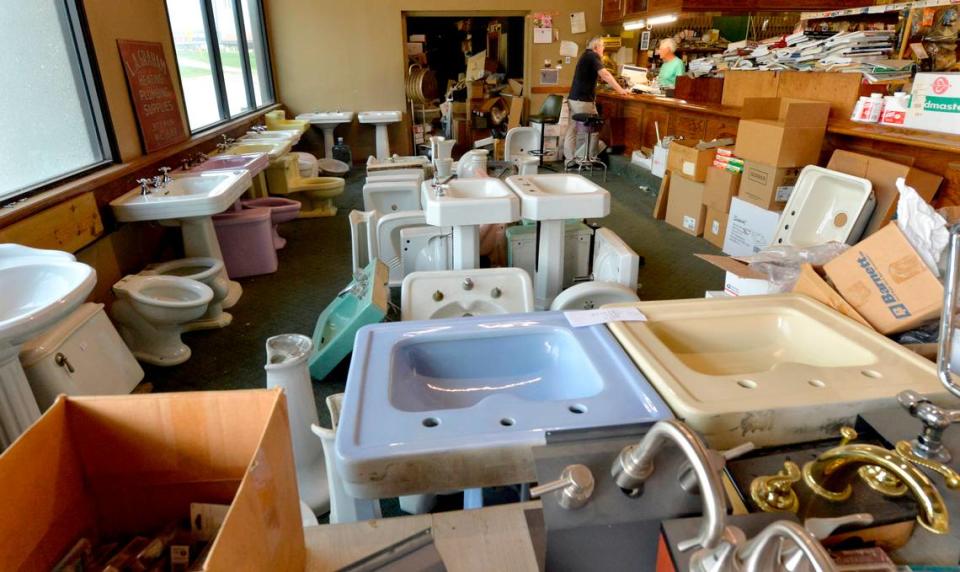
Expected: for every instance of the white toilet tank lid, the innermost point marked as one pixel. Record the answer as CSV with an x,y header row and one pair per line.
x,y
48,342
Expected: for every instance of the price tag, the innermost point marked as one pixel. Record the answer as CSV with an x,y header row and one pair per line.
x,y
581,318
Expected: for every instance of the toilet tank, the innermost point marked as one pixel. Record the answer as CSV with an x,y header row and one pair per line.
x,y
82,355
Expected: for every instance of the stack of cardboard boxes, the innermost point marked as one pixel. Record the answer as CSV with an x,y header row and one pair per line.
x,y
688,164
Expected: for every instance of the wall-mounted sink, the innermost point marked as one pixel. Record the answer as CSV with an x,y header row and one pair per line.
x,y
769,369
327,121
254,163
39,289
458,403
439,294
380,119
465,204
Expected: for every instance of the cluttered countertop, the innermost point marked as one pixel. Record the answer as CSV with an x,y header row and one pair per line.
x,y
711,108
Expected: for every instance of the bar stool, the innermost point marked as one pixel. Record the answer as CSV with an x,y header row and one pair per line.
x,y
549,115
590,124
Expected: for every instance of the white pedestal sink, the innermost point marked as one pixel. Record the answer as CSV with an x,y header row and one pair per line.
x,y
465,204
380,119
189,200
327,121
39,289
550,199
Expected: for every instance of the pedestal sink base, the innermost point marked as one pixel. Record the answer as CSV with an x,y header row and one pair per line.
x,y
383,142
548,281
18,407
200,239
466,247
328,142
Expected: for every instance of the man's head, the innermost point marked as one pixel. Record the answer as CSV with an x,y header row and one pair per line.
x,y
667,49
596,45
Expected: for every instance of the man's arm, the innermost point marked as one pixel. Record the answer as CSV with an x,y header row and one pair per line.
x,y
606,76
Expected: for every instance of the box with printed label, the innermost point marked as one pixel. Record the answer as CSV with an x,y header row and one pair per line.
x,y
750,228
782,132
720,188
688,161
715,227
935,103
887,282
767,186
685,208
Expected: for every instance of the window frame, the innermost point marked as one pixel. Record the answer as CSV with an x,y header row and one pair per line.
x,y
76,32
213,47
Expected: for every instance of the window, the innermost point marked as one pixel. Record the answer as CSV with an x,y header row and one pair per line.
x,y
55,125
222,57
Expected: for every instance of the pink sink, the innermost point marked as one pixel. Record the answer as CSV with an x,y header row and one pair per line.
x,y
253,162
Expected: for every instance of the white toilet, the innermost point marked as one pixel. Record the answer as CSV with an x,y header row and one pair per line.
x,y
151,312
202,269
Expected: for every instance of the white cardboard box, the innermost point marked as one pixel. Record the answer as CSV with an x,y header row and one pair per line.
x,y
935,103
659,161
740,279
750,228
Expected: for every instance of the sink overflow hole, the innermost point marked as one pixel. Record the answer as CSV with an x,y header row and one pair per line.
x,y
871,373
747,384
816,383
578,409
431,422
507,422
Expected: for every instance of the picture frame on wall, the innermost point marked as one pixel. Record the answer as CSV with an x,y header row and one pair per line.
x,y
645,40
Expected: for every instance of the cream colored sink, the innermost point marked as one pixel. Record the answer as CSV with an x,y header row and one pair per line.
x,y
769,369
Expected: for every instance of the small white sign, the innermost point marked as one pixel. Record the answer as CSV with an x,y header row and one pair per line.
x,y
543,35
581,318
578,23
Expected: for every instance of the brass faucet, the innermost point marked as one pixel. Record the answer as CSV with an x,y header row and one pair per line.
x,y
892,473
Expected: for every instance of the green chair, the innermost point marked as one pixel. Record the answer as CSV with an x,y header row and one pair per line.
x,y
549,115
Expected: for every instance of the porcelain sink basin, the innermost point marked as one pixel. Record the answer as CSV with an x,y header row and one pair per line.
x,y
559,196
327,118
769,369
38,291
492,291
458,403
469,202
255,163
273,148
379,117
252,136
189,195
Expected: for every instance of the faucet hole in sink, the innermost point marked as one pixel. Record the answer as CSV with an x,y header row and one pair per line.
x,y
871,373
507,422
578,408
816,383
431,422
747,383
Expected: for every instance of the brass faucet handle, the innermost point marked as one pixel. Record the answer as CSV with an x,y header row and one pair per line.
x,y
847,434
950,477
774,493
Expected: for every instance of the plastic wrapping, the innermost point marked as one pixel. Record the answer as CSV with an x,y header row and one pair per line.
x,y
781,264
924,228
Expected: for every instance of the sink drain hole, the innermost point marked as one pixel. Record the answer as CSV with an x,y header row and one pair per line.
x,y
430,422
816,383
507,422
577,408
747,384
871,373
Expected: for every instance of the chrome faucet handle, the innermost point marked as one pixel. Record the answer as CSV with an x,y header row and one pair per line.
x,y
201,158
158,182
718,459
763,552
164,176
186,162
823,527
929,443
575,485
144,186
222,146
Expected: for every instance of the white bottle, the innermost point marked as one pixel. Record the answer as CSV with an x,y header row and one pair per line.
x,y
858,109
876,107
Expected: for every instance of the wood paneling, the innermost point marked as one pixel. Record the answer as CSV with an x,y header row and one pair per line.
x,y
841,89
68,226
612,11
688,125
738,85
720,128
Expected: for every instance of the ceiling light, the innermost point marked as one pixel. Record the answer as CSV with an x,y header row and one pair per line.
x,y
657,20
634,25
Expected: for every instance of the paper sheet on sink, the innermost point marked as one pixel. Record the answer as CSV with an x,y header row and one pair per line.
x,y
581,318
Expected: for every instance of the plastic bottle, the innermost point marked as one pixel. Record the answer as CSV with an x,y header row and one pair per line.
x,y
858,109
876,107
341,152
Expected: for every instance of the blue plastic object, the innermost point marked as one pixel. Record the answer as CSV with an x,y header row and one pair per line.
x,y
362,302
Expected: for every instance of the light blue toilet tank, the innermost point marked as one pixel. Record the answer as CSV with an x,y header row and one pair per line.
x,y
458,403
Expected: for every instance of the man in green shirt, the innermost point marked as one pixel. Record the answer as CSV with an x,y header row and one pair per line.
x,y
672,65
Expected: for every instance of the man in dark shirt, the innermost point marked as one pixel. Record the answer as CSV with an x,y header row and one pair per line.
x,y
584,88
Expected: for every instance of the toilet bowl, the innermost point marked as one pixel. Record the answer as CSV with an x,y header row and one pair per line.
x,y
315,194
246,239
150,313
207,271
308,165
281,211
333,168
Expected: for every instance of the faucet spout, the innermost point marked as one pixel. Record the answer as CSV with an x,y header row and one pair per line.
x,y
762,552
634,466
830,474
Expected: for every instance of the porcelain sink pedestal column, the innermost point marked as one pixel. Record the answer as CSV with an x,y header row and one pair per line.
x,y
200,240
18,407
548,278
466,247
380,119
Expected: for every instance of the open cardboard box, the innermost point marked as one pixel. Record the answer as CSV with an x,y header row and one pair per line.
x,y
118,466
781,131
811,284
740,280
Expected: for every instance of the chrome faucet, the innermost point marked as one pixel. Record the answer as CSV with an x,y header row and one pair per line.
x,y
164,176
762,552
225,143
258,128
144,187
634,466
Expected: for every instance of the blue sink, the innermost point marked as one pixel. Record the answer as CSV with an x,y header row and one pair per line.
x,y
458,403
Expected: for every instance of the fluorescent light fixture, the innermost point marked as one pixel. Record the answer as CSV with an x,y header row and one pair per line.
x,y
657,20
634,25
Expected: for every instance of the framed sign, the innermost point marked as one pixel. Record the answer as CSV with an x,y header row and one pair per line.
x,y
645,40
151,90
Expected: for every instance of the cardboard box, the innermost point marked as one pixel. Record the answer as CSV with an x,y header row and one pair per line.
x,y
661,157
782,132
811,284
688,161
886,281
740,279
685,208
767,186
720,188
660,206
750,228
884,174
715,227
117,466
935,103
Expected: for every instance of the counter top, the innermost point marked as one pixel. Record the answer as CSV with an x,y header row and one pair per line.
x,y
682,104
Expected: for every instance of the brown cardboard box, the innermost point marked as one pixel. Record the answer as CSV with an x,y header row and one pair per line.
x,y
884,174
721,186
782,132
887,283
715,227
688,161
685,208
116,466
740,279
811,284
766,186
